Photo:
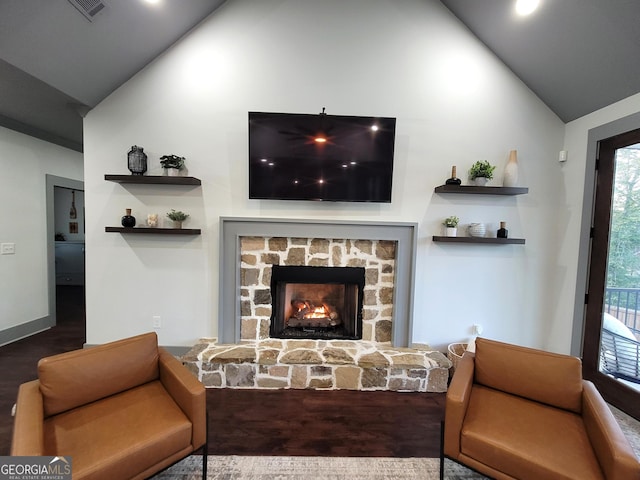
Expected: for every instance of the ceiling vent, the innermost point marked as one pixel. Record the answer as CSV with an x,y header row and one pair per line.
x,y
89,8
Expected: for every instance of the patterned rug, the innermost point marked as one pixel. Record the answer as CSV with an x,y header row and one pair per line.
x,y
316,468
342,468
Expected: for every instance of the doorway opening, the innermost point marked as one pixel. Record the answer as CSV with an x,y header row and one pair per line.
x,y
66,250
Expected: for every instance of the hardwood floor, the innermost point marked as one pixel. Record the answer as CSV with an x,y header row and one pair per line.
x,y
257,422
329,423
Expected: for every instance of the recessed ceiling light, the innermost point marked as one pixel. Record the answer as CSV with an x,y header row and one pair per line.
x,y
320,139
374,128
153,2
526,7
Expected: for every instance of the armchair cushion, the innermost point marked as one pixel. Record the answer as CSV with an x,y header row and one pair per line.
x,y
94,434
526,439
82,376
542,376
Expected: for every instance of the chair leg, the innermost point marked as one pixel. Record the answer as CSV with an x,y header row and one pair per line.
x,y
204,462
205,450
442,450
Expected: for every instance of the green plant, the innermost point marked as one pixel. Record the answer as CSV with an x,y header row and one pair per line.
x,y
172,161
177,216
481,168
451,222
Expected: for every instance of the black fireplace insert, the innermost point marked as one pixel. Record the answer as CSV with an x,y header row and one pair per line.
x,y
317,302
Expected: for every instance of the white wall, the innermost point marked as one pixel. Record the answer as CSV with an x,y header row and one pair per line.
x,y
455,103
24,163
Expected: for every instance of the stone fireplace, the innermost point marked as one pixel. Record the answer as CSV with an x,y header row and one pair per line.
x,y
319,305
250,246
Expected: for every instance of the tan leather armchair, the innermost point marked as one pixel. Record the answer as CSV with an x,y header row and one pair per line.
x,y
122,410
519,413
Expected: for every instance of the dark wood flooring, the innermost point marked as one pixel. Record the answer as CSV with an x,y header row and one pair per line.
x,y
257,422
340,423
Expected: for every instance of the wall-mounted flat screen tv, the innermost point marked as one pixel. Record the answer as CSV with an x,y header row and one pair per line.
x,y
320,157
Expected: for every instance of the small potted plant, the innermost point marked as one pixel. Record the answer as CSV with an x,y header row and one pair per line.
x,y
172,164
451,226
481,172
177,217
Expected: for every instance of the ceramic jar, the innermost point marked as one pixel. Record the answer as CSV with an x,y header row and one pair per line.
x,y
477,229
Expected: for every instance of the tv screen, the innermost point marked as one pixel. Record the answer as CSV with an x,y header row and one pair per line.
x,y
320,157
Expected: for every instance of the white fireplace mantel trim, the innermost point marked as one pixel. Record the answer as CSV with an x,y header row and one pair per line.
x,y
232,228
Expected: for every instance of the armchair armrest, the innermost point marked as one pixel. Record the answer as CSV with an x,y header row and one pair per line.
x,y
188,392
456,404
28,428
614,453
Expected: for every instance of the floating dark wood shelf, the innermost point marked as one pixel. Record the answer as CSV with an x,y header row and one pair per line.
x,y
473,189
160,231
153,179
486,240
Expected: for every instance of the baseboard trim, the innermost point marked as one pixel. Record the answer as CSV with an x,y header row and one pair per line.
x,y
18,332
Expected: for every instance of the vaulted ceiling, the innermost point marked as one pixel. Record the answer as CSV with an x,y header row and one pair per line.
x,y
55,64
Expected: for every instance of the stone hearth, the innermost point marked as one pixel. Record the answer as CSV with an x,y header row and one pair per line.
x,y
318,364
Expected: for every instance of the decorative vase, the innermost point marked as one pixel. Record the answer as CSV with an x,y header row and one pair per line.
x,y
451,231
511,170
177,224
454,180
477,229
128,221
481,181
137,160
173,172
502,231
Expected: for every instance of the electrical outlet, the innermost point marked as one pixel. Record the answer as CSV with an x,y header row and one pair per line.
x,y
477,329
157,322
7,249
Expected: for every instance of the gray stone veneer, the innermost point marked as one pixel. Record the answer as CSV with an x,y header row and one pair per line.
x,y
259,254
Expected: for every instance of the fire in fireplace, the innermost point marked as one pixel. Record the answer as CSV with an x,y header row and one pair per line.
x,y
317,302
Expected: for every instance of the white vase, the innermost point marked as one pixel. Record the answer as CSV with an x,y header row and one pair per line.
x,y
173,172
481,181
477,229
511,170
451,231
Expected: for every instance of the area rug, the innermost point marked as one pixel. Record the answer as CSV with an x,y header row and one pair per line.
x,y
316,468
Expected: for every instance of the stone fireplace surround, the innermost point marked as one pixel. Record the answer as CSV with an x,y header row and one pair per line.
x,y
246,357
232,230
